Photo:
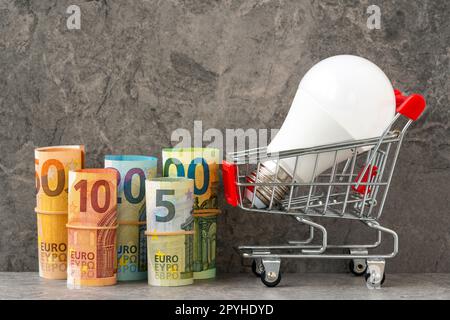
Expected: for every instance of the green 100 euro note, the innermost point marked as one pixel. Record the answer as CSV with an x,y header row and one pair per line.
x,y
205,226
131,240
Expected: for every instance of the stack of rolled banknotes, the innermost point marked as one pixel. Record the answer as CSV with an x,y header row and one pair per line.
x,y
201,165
131,239
121,222
52,165
170,231
91,228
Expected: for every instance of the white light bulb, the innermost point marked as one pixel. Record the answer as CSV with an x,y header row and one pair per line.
x,y
341,98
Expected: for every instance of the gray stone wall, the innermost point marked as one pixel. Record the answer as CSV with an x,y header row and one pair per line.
x,y
137,70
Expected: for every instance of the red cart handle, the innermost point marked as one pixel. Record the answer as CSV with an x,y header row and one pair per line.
x,y
229,177
410,106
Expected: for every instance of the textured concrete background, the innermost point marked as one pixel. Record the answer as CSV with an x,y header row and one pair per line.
x,y
137,70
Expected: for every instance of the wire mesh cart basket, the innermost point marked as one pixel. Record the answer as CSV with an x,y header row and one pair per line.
x,y
354,187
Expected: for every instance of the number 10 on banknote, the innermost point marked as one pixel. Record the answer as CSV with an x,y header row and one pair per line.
x,y
91,227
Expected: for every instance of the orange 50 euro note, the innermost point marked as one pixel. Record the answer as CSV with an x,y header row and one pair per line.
x,y
52,165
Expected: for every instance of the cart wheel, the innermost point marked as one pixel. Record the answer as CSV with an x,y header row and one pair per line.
x,y
370,281
270,279
359,268
257,267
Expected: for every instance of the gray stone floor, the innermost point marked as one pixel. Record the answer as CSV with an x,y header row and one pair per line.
x,y
28,285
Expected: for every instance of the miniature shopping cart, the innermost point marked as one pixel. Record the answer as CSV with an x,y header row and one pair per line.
x,y
355,188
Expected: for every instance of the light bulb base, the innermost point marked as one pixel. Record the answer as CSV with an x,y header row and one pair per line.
x,y
266,194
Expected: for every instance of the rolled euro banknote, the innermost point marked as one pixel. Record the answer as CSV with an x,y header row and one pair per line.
x,y
170,259
169,204
202,165
199,164
131,240
52,165
205,226
92,223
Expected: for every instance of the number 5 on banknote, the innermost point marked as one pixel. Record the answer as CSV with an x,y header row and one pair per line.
x,y
169,230
165,204
169,204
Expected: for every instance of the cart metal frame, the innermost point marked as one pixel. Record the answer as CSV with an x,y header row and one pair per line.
x,y
340,193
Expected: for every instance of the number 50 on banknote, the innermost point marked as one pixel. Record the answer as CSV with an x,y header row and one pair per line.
x,y
52,165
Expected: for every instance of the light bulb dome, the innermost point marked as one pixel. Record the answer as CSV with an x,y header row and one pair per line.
x,y
353,91
340,98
